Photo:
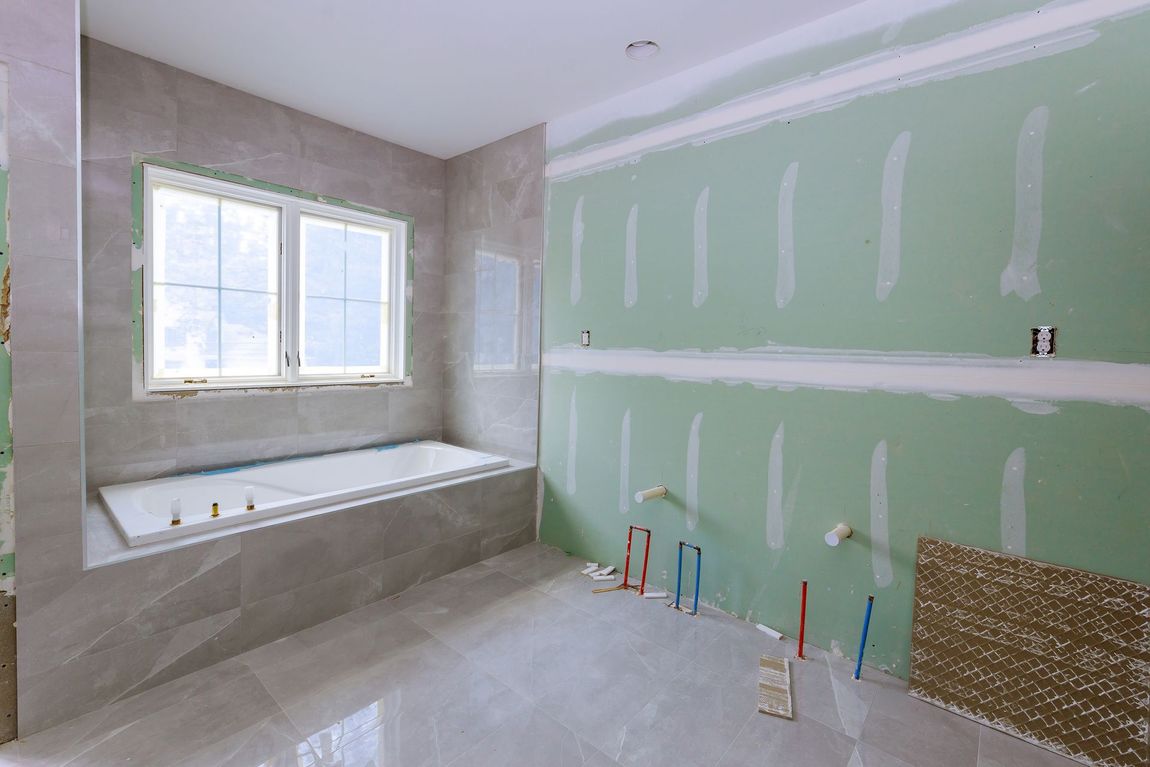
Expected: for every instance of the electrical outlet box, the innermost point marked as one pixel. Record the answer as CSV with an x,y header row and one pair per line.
x,y
1042,341
585,338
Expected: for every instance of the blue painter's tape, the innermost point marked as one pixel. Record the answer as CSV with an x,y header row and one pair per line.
x,y
381,448
230,469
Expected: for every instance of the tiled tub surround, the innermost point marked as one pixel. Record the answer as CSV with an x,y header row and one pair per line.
x,y
491,300
113,631
513,662
135,105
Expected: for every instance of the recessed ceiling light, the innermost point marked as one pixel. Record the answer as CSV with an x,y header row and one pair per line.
x,y
642,49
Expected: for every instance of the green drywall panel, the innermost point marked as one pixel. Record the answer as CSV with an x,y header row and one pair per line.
x,y
1087,482
1087,477
957,223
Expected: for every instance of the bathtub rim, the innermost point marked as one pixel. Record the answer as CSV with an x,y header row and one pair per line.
x,y
104,545
136,534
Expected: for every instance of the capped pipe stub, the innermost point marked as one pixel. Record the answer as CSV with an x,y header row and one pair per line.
x,y
659,491
840,533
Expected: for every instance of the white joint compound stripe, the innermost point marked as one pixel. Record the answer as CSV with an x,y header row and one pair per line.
x,y
1034,408
625,464
1047,380
891,33
1021,274
577,252
631,268
701,289
890,244
785,275
693,473
776,534
572,442
1013,503
879,526
1020,37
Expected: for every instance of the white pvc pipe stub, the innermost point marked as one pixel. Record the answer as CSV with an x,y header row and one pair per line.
x,y
841,532
659,491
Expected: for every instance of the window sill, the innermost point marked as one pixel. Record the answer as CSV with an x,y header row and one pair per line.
x,y
248,389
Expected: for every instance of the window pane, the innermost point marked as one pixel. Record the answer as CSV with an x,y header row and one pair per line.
x,y
249,247
322,350
346,289
322,253
367,251
249,333
186,337
366,335
186,246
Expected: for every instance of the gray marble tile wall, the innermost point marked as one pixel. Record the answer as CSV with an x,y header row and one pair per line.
x,y
38,48
133,104
491,305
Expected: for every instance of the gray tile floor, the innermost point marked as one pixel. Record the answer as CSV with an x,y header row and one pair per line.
x,y
515,662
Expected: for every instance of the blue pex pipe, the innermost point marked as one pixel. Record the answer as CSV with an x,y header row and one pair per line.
x,y
679,577
862,639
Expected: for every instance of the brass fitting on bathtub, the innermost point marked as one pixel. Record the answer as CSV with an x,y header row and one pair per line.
x,y
215,509
175,522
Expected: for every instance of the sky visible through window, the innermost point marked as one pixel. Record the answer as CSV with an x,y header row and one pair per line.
x,y
216,285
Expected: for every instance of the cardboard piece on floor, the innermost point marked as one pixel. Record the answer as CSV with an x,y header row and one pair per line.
x,y
775,686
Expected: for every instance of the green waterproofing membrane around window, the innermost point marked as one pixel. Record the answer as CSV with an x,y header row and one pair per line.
x,y
138,239
891,228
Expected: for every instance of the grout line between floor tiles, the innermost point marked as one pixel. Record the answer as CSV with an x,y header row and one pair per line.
x,y
734,740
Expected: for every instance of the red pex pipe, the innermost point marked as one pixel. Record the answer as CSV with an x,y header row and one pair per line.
x,y
627,566
802,620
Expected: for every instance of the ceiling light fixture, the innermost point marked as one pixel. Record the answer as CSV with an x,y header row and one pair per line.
x,y
642,49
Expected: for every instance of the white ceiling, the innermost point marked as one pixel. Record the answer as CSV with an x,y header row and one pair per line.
x,y
439,76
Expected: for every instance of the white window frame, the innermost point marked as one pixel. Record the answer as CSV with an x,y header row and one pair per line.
x,y
290,208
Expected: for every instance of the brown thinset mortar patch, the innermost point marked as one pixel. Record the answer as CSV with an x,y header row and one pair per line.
x,y
1053,655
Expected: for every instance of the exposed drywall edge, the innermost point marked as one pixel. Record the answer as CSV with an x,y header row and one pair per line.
x,y
7,667
140,160
1029,380
7,501
1020,37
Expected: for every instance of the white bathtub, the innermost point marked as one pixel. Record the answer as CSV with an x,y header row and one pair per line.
x,y
143,510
